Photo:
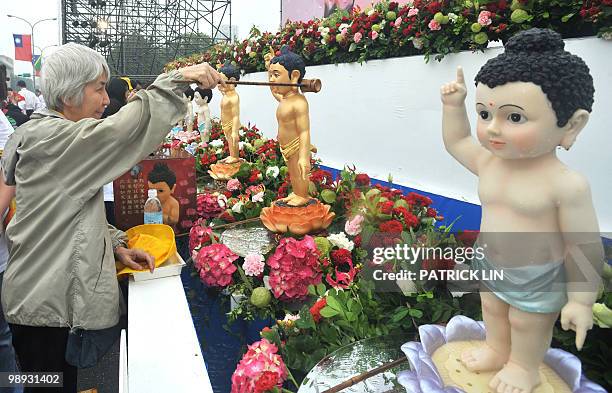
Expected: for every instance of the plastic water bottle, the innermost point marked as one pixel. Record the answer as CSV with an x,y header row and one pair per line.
x,y
153,213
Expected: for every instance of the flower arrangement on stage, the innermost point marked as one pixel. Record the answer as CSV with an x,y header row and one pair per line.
x,y
319,287
421,27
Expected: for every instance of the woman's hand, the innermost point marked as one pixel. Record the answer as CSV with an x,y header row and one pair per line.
x,y
134,258
203,74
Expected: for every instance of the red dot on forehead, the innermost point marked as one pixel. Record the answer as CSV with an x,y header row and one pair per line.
x,y
491,103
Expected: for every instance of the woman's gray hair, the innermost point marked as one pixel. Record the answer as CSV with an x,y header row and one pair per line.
x,y
66,72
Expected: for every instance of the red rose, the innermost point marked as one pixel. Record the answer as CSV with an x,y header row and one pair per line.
x,y
341,256
502,5
357,241
434,7
266,381
362,179
386,207
391,226
406,32
431,212
315,310
393,6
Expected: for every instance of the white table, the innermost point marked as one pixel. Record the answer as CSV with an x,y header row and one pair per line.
x,y
163,350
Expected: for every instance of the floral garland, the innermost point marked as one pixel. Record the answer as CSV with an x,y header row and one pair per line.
x,y
421,27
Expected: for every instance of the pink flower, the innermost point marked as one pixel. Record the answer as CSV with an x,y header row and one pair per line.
x,y
293,266
298,32
344,32
433,25
413,11
357,37
215,265
260,367
208,206
374,34
354,225
484,18
259,197
398,21
253,265
233,185
199,234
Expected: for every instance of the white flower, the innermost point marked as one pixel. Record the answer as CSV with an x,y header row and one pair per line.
x,y
258,197
452,17
241,145
237,208
607,36
291,317
343,26
371,11
222,200
323,41
272,172
341,241
266,281
247,50
216,143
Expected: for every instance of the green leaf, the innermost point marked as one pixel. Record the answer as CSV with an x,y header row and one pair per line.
x,y
272,336
351,317
306,321
328,312
400,315
415,313
321,289
333,303
352,47
567,17
312,290
546,15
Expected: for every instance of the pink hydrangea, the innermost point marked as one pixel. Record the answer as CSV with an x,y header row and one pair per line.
x,y
208,206
253,265
199,234
398,21
434,25
353,226
260,369
357,37
413,11
293,267
233,185
484,18
215,265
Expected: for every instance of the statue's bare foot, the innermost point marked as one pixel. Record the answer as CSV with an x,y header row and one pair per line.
x,y
230,160
515,379
483,358
294,200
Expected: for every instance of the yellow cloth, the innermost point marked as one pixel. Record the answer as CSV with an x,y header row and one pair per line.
x,y
155,239
291,148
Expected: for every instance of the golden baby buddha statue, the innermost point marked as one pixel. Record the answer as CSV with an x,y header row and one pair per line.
x,y
297,213
230,122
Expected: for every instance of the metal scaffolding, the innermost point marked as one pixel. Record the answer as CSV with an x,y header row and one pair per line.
x,y
138,37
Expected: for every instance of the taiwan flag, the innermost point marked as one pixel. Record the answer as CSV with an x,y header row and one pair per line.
x,y
23,47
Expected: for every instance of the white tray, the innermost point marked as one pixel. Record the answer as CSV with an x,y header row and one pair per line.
x,y
172,267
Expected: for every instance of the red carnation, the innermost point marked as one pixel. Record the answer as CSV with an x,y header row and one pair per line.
x,y
266,381
418,199
386,207
315,310
391,226
341,256
431,212
362,179
357,241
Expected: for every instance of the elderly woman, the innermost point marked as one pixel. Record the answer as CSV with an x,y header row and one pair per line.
x,y
61,272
